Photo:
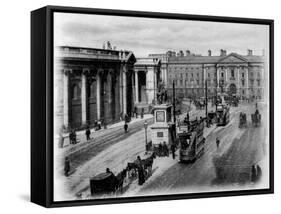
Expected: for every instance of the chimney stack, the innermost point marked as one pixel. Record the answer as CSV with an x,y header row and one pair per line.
x,y
250,52
209,53
223,52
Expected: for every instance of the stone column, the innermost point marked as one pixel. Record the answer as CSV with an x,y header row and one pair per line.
x,y
124,89
109,94
137,86
247,82
155,85
83,96
98,94
120,78
65,97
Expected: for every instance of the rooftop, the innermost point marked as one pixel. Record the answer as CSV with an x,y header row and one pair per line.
x,y
216,59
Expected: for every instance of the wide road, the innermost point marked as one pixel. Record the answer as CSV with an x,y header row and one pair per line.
x,y
239,150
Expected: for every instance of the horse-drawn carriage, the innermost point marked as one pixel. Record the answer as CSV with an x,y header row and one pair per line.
x,y
144,165
107,183
242,120
256,118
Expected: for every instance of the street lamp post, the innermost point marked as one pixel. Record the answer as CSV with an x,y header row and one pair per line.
x,y
145,128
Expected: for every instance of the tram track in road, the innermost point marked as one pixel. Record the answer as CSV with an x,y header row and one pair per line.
x,y
88,150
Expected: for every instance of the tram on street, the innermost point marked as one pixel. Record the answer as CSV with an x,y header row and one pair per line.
x,y
191,142
222,115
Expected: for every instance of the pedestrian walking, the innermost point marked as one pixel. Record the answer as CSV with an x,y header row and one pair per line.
x,y
142,113
66,166
165,149
136,112
126,127
99,125
160,149
70,137
74,137
88,133
218,142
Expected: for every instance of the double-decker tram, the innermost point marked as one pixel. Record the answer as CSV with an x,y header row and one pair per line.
x,y
222,115
192,142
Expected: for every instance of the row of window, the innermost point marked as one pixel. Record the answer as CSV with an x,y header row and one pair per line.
x,y
232,75
197,82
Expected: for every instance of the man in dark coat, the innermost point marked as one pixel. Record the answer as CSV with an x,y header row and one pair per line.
x,y
66,166
218,142
88,133
160,149
136,111
142,113
165,149
74,137
140,171
126,127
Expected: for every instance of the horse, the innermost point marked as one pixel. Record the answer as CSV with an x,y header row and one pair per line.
x,y
120,179
148,162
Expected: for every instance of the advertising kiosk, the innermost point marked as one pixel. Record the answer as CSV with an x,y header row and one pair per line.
x,y
163,129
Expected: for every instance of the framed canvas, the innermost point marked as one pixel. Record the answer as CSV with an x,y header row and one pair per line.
x,y
134,106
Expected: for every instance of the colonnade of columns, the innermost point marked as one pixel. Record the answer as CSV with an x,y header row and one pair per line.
x,y
151,84
121,92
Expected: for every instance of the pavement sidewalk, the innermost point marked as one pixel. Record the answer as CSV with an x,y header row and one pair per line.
x,y
81,136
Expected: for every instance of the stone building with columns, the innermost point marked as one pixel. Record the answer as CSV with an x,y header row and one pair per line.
x,y
232,73
147,78
92,85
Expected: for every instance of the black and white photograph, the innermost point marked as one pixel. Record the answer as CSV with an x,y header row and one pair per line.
x,y
147,106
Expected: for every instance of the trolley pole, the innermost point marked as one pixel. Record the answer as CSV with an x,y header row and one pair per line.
x,y
174,102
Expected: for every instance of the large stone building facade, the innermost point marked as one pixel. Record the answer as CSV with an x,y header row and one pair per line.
x,y
92,85
232,73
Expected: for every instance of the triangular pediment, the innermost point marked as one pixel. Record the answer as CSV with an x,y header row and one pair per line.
x,y
131,58
233,58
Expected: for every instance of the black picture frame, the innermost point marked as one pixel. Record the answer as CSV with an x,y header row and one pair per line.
x,y
42,104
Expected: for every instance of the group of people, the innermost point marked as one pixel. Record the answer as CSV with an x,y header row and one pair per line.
x,y
73,137
256,173
163,150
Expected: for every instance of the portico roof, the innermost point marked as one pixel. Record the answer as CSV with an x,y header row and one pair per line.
x,y
147,62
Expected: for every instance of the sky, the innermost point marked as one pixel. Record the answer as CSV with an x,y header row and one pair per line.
x,y
144,36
